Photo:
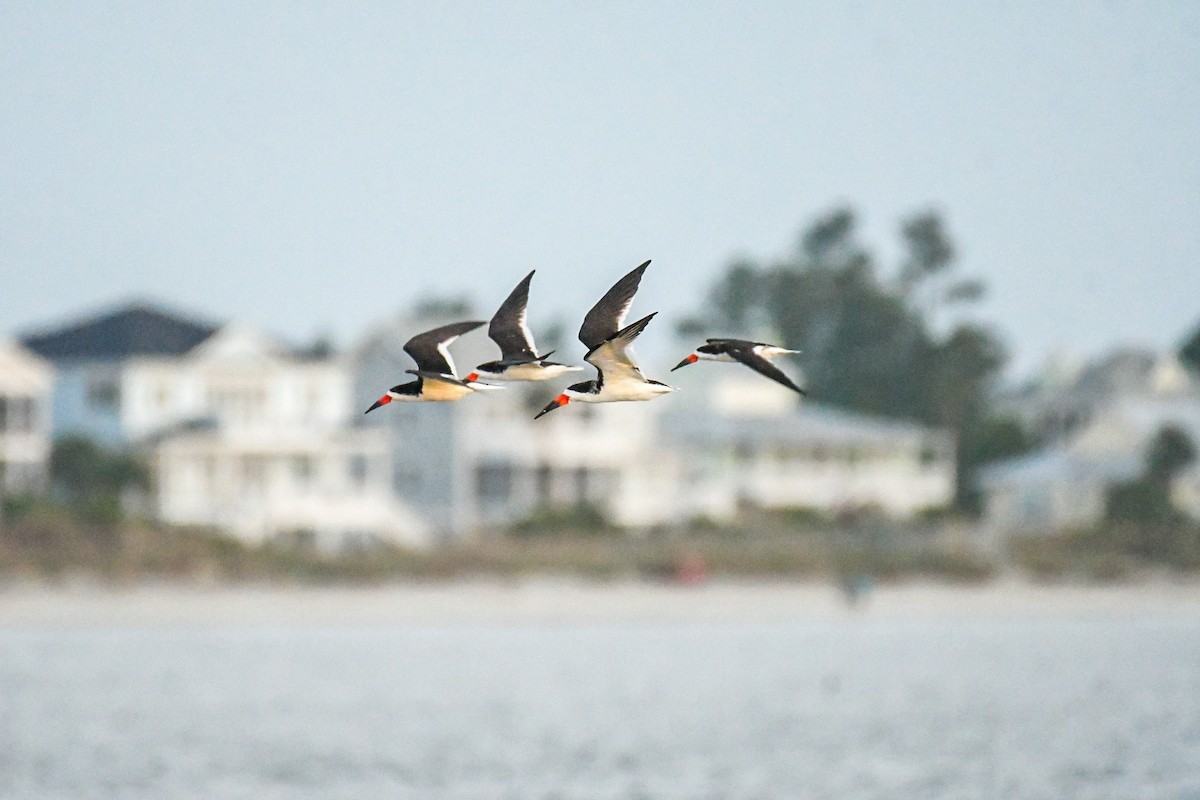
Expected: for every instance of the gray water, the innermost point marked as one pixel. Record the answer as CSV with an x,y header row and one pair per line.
x,y
832,709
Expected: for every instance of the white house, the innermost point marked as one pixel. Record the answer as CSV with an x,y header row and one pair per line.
x,y
25,383
750,442
1066,485
90,359
255,440
1066,394
242,432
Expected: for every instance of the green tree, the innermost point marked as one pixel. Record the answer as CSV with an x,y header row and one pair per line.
x,y
869,344
985,440
1143,506
91,479
436,306
1189,351
1169,453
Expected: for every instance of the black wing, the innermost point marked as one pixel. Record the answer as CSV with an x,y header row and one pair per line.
x,y
509,327
733,344
760,365
425,375
429,349
608,314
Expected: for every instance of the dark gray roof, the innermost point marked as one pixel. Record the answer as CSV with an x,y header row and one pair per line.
x,y
137,329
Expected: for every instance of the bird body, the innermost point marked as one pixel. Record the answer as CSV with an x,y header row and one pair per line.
x,y
755,355
617,391
437,381
618,378
509,329
540,370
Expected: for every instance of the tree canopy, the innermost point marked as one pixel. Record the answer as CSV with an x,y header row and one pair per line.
x,y
886,346
1189,351
90,479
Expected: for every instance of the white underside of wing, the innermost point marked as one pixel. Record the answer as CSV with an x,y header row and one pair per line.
x,y
444,349
622,378
614,361
523,325
619,322
768,352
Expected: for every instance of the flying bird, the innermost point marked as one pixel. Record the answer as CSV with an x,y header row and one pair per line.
x,y
755,355
617,377
519,360
437,380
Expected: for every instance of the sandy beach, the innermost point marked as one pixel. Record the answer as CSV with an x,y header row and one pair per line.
x,y
561,601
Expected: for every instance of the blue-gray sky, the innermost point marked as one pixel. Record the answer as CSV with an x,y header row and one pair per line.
x,y
312,167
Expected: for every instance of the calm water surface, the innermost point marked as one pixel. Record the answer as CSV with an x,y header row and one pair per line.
x,y
834,709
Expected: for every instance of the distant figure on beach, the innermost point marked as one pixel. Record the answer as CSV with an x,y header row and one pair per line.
x,y
692,570
855,587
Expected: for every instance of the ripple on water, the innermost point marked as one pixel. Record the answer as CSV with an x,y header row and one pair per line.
x,y
1086,709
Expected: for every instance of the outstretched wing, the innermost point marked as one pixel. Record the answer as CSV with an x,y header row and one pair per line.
x,y
509,327
754,361
611,357
607,316
429,349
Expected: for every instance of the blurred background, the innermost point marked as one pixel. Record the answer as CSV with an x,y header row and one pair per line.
x,y
964,565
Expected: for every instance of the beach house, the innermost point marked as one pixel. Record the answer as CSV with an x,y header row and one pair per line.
x,y
242,432
25,387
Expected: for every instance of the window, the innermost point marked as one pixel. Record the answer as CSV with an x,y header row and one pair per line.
x,y
16,414
493,482
929,456
238,404
357,468
208,467
103,393
581,485
161,396
254,473
312,404
602,483
544,479
302,469
405,478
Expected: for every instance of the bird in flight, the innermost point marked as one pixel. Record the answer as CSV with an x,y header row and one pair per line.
x,y
437,380
518,360
617,378
755,355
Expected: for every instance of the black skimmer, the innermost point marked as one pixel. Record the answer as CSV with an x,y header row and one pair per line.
x,y
618,378
519,360
755,355
436,380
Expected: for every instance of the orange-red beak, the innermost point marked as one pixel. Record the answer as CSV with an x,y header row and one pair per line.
x,y
383,401
692,359
474,376
557,402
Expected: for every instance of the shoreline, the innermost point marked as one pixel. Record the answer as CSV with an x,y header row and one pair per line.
x,y
564,601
